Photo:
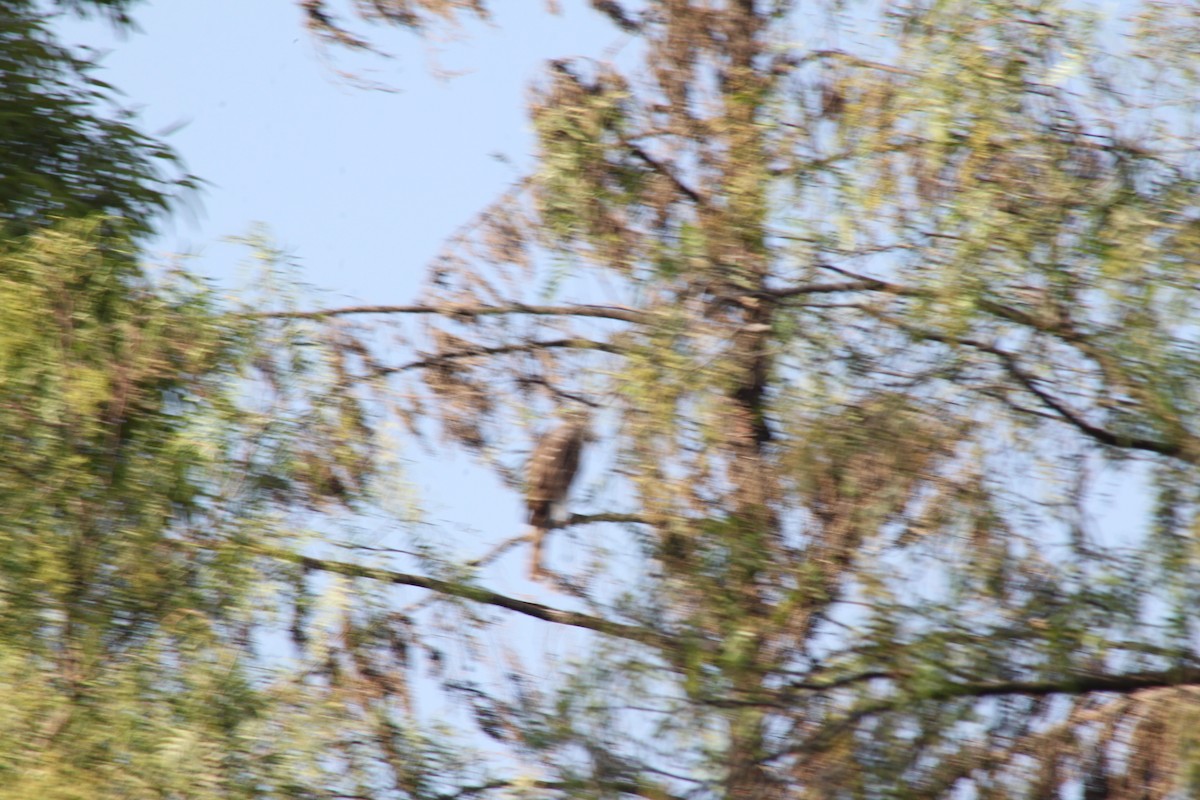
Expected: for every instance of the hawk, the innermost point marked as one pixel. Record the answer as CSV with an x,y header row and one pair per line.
x,y
548,475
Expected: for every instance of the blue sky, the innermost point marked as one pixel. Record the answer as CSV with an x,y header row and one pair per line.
x,y
361,186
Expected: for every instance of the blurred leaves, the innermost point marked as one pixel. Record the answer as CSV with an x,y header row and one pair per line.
x,y
69,152
863,330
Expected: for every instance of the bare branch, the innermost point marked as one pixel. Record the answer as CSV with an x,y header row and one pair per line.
x,y
1077,684
467,311
638,788
476,594
523,347
589,519
869,284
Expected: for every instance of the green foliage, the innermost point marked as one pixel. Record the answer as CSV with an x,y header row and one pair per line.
x,y
581,187
114,647
66,154
143,484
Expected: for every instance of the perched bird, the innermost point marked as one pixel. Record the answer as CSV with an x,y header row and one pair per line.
x,y
548,475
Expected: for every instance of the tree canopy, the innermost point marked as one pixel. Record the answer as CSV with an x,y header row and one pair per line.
x,y
868,306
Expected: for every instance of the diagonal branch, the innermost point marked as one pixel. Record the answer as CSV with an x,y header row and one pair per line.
x,y
620,17
1073,418
1064,330
1061,410
476,594
666,172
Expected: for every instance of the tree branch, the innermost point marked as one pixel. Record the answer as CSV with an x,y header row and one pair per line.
x,y
666,172
589,519
1070,416
1082,683
830,288
1075,684
620,17
1061,411
634,787
991,306
524,347
454,310
476,594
